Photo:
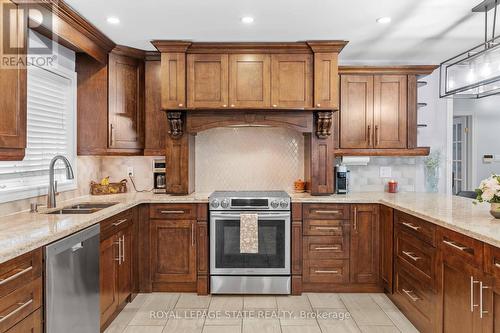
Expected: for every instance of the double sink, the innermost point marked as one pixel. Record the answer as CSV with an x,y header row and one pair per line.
x,y
83,208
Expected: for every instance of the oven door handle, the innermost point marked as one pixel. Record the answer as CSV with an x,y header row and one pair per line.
x,y
261,216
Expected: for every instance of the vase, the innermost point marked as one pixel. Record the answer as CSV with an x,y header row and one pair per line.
x,y
495,210
431,179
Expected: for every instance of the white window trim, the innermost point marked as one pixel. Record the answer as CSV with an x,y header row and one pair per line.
x,y
70,185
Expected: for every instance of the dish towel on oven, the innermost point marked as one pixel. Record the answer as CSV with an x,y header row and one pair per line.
x,y
249,233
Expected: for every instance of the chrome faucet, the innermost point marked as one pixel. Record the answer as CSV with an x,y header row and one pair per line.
x,y
51,196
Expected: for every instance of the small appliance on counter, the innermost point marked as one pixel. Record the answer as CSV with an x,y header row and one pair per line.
x,y
159,169
341,179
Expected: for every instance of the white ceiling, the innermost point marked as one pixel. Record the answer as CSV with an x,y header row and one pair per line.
x,y
421,31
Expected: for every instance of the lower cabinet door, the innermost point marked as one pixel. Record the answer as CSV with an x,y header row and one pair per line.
x,y
365,244
173,251
125,265
108,277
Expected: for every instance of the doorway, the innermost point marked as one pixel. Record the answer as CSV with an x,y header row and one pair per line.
x,y
461,166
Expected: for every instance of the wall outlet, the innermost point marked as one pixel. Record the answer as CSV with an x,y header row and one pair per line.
x,y
130,171
385,172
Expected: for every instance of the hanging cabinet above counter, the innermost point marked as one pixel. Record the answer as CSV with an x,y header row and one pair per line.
x,y
257,76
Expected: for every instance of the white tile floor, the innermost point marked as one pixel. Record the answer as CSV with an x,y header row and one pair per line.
x,y
309,313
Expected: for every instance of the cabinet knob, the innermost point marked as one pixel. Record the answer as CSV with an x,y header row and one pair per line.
x,y
275,106
232,105
181,105
224,105
318,105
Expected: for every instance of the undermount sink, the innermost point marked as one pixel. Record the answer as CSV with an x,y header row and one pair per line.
x,y
83,208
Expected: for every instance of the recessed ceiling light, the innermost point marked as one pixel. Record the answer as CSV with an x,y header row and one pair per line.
x,y
113,20
247,19
384,20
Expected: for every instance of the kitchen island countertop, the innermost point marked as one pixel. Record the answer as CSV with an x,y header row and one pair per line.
x,y
24,231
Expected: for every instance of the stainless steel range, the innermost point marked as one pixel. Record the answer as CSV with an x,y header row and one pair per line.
x,y
267,271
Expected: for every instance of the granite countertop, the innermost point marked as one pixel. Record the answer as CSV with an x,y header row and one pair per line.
x,y
24,231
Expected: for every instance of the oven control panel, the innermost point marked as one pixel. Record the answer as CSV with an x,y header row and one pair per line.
x,y
272,200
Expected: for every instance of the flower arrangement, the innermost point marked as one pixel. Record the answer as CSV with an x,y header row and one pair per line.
x,y
431,164
489,190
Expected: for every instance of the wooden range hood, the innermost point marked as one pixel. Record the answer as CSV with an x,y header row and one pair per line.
x,y
292,85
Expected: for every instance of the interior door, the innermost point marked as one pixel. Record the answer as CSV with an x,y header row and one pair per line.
x,y
390,111
207,80
250,80
291,80
356,111
365,244
460,144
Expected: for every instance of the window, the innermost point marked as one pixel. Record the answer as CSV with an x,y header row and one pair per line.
x,y
51,131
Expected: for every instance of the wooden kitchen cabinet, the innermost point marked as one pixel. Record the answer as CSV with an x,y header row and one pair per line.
x,y
249,80
173,81
155,118
13,85
115,263
326,80
207,80
291,80
492,294
173,251
364,261
356,114
125,103
390,111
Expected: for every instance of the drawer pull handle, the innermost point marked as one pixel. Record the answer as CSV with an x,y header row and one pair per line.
x,y
408,293
117,223
326,228
326,272
20,308
411,256
119,243
472,283
411,226
481,306
14,276
458,247
326,248
497,265
327,211
172,212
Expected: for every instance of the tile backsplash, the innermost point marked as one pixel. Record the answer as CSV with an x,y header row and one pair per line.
x,y
248,158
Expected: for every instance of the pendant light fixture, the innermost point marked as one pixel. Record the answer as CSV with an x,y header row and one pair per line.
x,y
474,73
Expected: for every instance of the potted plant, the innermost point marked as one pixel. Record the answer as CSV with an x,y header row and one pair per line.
x,y
489,191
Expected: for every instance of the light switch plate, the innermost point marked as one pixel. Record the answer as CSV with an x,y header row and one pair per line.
x,y
385,172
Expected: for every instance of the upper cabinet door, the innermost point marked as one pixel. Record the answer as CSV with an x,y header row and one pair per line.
x,y
173,80
326,80
390,111
250,80
126,89
13,86
356,114
207,80
291,80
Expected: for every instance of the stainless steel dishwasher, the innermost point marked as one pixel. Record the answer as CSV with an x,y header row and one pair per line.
x,y
72,283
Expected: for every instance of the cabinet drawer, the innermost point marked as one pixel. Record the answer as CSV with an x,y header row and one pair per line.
x,y
173,212
20,303
115,223
17,272
492,260
326,247
30,324
417,301
416,227
325,227
326,271
469,250
417,255
326,211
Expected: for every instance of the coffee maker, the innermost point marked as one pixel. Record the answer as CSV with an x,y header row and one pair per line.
x,y
159,180
341,179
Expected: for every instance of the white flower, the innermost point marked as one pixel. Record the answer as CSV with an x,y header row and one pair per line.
x,y
492,184
488,194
